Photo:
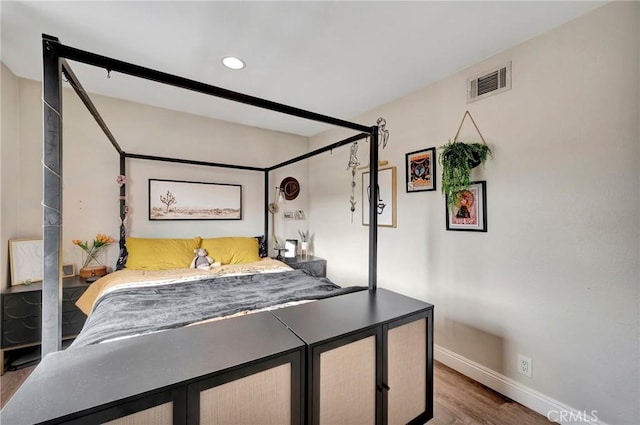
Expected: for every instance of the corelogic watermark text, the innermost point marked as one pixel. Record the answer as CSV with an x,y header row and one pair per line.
x,y
572,416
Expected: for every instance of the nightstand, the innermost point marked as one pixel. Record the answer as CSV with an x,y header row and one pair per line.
x,y
315,265
21,321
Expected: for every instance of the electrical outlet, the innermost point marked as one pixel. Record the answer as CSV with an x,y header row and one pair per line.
x,y
525,365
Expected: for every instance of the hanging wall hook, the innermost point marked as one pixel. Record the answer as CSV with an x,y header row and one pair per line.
x,y
382,130
353,156
108,73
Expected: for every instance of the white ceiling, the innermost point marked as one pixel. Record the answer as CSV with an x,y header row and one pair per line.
x,y
335,58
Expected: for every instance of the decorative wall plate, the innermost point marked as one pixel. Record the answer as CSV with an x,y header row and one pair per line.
x,y
290,188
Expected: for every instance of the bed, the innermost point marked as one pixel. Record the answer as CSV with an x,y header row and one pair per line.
x,y
251,341
129,303
291,349
157,287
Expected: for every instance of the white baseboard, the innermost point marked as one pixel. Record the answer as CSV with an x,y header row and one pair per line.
x,y
524,395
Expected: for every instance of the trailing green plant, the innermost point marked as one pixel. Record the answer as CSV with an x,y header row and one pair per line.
x,y
457,160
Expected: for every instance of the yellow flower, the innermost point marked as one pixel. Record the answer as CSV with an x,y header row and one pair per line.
x,y
101,240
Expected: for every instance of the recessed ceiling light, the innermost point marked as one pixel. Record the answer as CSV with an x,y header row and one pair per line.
x,y
233,62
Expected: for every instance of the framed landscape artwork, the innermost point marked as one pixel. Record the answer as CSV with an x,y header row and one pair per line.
x,y
182,200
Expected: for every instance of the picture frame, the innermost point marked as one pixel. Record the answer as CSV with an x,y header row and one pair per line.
x,y
25,260
68,270
421,170
291,248
186,200
386,194
469,213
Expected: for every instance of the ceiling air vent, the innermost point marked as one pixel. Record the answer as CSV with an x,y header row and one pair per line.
x,y
489,83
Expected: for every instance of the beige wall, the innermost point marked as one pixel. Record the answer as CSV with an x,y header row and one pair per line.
x,y
556,276
91,164
9,167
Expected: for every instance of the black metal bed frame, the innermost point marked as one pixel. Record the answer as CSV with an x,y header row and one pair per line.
x,y
54,65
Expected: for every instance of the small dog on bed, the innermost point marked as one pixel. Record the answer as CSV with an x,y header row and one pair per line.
x,y
202,261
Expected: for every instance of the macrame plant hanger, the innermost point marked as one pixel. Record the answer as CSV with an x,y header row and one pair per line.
x,y
468,114
458,158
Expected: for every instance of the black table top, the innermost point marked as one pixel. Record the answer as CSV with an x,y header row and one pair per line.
x,y
332,317
67,282
78,379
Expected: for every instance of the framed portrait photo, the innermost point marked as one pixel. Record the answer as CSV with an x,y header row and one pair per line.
x,y
421,170
469,209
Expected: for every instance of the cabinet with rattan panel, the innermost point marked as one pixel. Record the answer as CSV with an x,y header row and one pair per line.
x,y
369,357
244,370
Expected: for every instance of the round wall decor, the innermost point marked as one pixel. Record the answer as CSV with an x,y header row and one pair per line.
x,y
290,188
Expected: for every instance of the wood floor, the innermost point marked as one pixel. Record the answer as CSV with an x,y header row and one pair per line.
x,y
11,381
461,400
458,400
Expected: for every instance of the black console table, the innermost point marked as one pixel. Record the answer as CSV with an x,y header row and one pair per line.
x,y
315,265
21,322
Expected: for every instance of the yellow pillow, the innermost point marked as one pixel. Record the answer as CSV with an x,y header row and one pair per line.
x,y
232,250
160,254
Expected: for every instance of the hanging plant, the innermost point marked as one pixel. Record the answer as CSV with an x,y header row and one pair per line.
x,y
457,160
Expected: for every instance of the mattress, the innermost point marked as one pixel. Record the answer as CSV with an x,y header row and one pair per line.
x,y
129,303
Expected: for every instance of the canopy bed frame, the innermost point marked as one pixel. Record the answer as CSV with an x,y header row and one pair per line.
x,y
55,55
299,364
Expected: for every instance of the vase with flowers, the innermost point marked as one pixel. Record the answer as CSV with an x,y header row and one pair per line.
x,y
92,263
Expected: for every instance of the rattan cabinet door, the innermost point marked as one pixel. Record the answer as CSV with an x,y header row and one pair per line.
x,y
348,383
407,371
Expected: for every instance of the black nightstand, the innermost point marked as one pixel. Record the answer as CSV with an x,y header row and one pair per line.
x,y
315,265
21,321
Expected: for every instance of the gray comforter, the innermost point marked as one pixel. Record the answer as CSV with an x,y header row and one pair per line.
x,y
131,311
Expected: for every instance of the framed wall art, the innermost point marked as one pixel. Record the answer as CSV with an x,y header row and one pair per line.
x,y
291,247
386,197
421,170
469,210
25,260
183,200
68,270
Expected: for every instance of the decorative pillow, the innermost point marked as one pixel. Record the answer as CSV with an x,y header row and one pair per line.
x,y
262,246
160,254
232,250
